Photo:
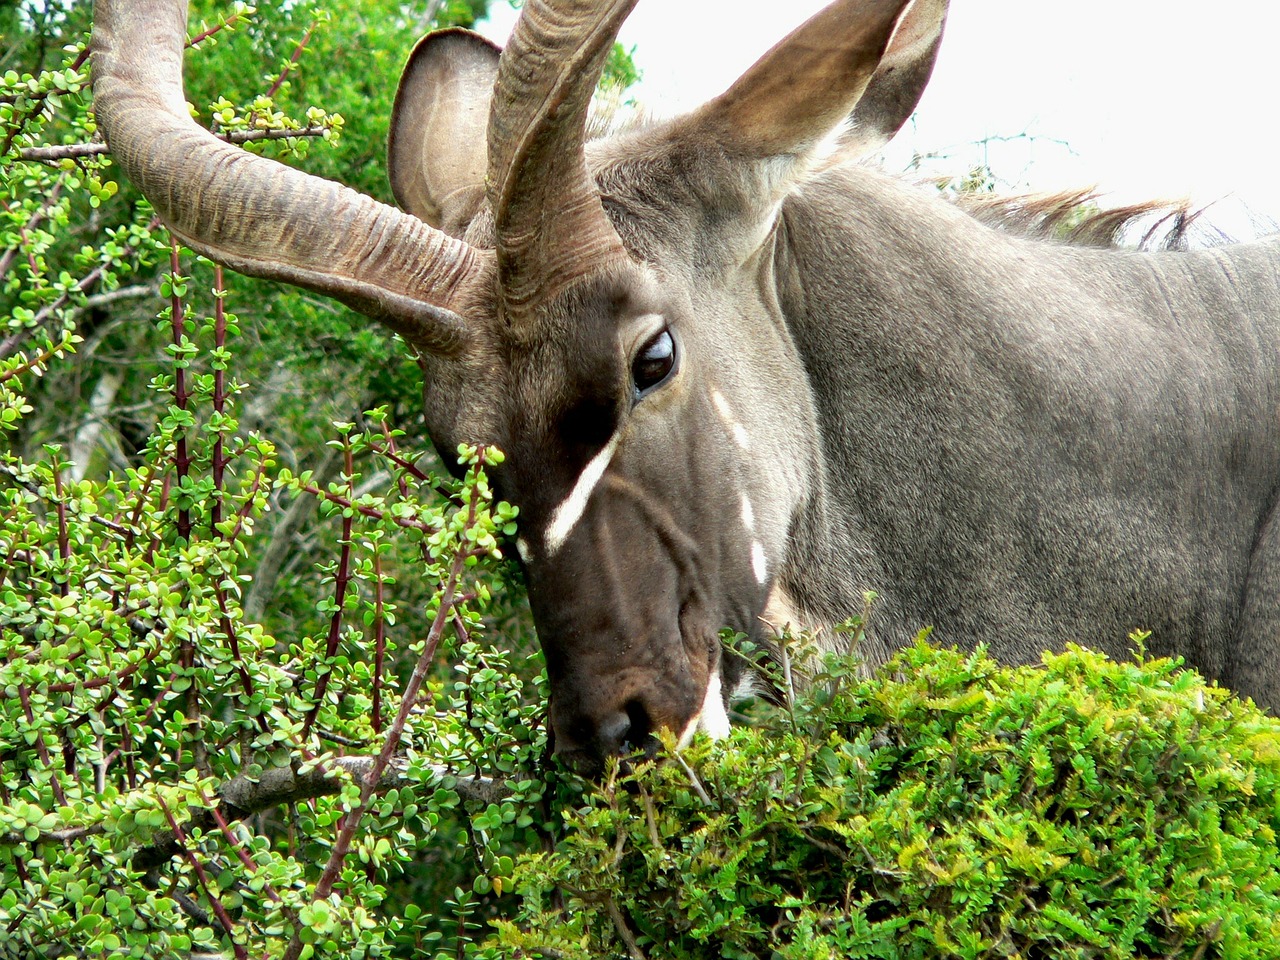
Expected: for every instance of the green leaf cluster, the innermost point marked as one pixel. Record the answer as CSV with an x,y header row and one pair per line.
x,y
947,807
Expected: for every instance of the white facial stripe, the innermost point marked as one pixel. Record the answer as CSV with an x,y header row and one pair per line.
x,y
726,414
711,719
722,406
748,514
758,562
522,548
567,515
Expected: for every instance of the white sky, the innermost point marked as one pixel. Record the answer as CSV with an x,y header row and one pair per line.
x,y
1154,99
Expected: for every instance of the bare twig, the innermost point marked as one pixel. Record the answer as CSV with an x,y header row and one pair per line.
x,y
56,153
698,788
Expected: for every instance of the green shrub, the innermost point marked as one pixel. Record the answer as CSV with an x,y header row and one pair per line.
x,y
946,808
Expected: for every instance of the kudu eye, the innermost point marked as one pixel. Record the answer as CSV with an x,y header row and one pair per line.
x,y
654,363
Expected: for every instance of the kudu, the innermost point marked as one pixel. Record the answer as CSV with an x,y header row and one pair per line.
x,y
741,379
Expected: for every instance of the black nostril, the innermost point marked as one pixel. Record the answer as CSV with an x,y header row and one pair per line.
x,y
626,731
613,734
640,736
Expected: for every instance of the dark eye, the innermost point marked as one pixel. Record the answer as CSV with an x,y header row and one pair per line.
x,y
654,362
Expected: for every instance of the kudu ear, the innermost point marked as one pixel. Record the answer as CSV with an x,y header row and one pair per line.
x,y
864,60
436,154
899,81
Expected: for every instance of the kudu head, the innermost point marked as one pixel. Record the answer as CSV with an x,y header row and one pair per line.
x,y
607,313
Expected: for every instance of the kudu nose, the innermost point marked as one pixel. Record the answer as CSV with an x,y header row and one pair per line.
x,y
585,742
613,734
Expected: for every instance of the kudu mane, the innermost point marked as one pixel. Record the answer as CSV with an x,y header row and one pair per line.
x,y
1074,216
1078,217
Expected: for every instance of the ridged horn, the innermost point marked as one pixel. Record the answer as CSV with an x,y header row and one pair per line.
x,y
551,227
255,215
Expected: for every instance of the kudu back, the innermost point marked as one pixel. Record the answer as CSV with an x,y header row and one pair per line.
x,y
741,379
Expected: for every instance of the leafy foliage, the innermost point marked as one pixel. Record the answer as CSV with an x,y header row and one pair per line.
x,y
946,808
175,776
145,715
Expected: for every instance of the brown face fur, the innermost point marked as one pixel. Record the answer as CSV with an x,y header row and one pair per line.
x,y
630,592
681,501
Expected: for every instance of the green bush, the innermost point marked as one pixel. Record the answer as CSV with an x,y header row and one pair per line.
x,y
176,777
946,808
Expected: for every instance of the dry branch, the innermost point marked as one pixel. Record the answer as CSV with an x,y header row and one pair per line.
x,y
56,153
244,796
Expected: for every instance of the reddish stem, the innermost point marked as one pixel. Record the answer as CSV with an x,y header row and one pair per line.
x,y
379,639
219,395
219,910
449,598
341,579
293,61
206,34
177,319
64,537
236,845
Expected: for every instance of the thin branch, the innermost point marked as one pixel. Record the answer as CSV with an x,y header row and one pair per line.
x,y
624,930
409,523
38,361
245,796
50,309
341,579
293,61
238,846
56,153
122,293
38,216
223,917
449,597
227,24
34,488
281,547
694,782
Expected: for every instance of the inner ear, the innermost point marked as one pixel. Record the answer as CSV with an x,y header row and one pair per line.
x,y
436,154
899,81
794,96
